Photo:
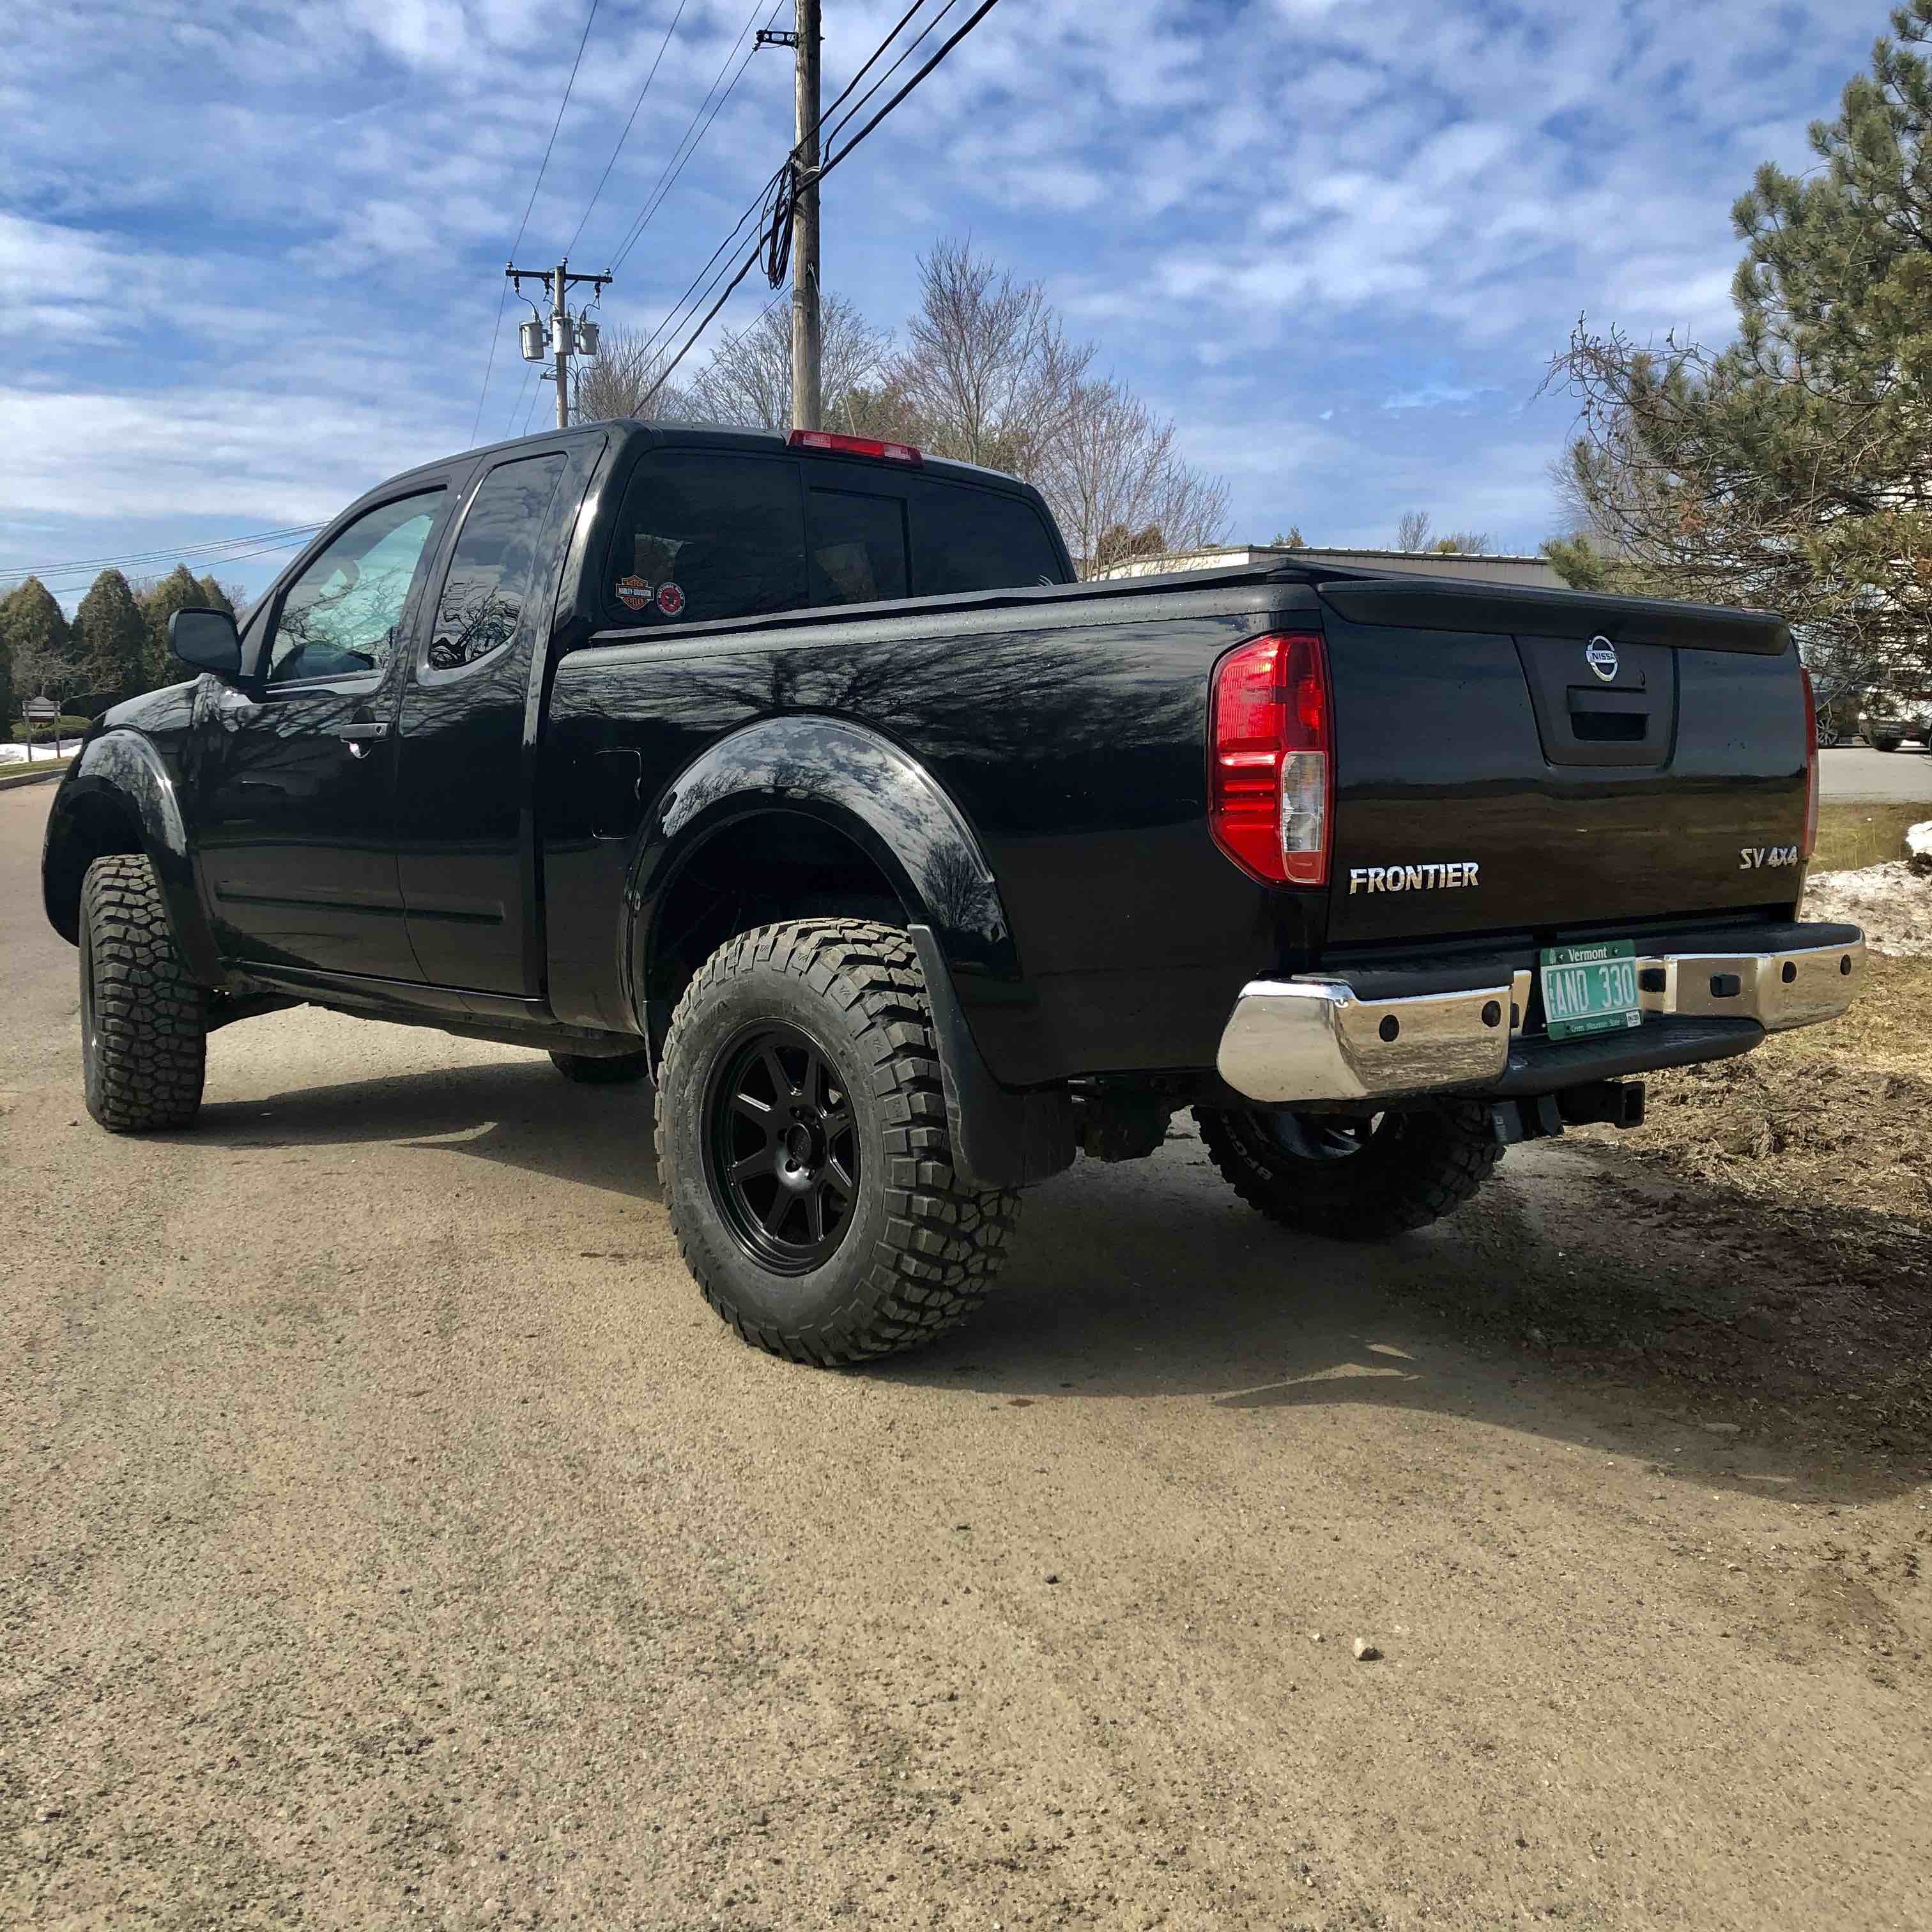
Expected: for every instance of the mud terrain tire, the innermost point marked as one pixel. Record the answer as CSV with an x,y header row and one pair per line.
x,y
1352,1181
801,1064
143,1021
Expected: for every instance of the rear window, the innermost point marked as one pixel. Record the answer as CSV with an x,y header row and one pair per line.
x,y
709,534
706,534
856,549
965,539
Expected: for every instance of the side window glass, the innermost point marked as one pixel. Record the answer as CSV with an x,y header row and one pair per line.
x,y
496,565
339,618
708,534
857,548
969,539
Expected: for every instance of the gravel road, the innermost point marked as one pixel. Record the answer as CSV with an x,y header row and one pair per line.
x,y
393,1538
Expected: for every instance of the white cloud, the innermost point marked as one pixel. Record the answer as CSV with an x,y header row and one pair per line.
x,y
96,456
255,249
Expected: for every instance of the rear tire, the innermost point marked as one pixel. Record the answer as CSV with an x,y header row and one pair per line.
x,y
803,1151
143,1021
1351,1180
1886,744
591,1070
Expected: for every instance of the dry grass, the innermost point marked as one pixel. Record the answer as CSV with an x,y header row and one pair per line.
x,y
1851,834
1782,1204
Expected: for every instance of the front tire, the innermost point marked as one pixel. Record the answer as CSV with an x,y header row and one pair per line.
x,y
803,1152
1352,1180
1886,744
143,1021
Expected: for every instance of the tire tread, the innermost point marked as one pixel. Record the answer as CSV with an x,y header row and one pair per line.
x,y
151,1024
1461,1153
944,1241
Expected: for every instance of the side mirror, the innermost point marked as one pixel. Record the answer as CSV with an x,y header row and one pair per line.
x,y
208,640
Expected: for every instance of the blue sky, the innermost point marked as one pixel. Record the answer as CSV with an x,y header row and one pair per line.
x,y
250,255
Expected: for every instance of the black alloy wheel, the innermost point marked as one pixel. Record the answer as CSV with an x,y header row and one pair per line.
x,y
782,1148
804,1148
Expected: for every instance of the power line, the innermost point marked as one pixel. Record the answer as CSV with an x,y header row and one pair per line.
x,y
775,229
510,420
543,165
899,28
972,21
668,179
905,54
165,551
760,201
211,554
826,167
503,296
605,176
778,214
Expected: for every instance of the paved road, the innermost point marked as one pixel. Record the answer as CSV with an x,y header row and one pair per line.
x,y
394,1538
1858,772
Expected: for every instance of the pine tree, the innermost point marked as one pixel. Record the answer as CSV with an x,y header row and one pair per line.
x,y
111,635
38,634
214,598
1788,469
177,591
38,647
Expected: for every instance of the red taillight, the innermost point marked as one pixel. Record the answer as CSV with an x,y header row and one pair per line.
x,y
1270,774
853,446
1810,845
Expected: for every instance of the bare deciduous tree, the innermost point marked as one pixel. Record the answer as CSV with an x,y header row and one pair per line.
x,y
1118,486
988,375
748,380
987,368
619,381
1412,533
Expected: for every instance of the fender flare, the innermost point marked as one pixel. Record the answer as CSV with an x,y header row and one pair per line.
x,y
860,784
120,776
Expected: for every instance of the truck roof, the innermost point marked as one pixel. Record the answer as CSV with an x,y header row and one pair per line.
x,y
710,436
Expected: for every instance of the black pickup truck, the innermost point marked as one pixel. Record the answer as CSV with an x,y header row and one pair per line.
x,y
801,777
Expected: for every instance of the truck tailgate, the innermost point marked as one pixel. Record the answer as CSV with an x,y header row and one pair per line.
x,y
1512,760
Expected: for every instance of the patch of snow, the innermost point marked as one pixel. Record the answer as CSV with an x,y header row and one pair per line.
x,y
1918,846
44,754
1892,902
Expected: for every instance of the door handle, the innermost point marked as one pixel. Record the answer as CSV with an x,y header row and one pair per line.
x,y
366,728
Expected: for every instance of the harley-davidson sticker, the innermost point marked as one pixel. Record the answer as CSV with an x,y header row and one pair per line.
x,y
670,599
634,593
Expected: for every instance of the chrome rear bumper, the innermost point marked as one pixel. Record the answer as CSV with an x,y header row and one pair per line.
x,y
1315,1039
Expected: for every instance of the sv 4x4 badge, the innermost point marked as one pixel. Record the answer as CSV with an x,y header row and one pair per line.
x,y
1750,857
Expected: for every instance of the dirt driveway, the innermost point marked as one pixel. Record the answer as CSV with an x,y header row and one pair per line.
x,y
392,1537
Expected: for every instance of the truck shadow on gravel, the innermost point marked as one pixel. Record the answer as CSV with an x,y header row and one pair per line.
x,y
1581,1297
519,1114
1555,1304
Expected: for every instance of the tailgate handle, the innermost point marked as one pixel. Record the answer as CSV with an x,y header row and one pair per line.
x,y
1609,717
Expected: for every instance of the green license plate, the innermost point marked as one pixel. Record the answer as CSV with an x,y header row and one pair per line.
x,y
1590,988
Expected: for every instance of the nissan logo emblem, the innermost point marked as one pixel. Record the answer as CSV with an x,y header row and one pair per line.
x,y
1600,655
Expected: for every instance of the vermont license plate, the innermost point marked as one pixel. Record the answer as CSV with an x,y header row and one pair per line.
x,y
1590,988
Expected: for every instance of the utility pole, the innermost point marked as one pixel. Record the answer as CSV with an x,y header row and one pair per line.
x,y
568,336
560,342
806,396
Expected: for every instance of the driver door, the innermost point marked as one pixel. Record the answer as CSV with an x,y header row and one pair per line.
x,y
294,778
